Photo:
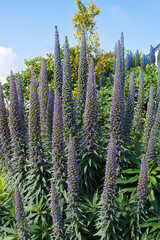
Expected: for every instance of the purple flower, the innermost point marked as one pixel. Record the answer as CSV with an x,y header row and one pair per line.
x,y
43,96
49,113
56,214
82,79
117,103
149,156
73,178
57,64
152,55
36,155
158,87
109,188
149,119
122,61
5,138
23,230
142,185
137,59
67,102
90,112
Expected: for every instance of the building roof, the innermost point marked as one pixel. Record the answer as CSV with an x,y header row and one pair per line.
x,y
157,47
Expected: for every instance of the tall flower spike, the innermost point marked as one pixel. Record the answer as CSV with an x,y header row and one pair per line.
x,y
22,110
157,121
56,214
150,148
5,137
36,154
43,96
143,62
73,178
152,55
82,79
149,119
58,140
15,126
23,230
109,188
57,64
122,60
140,105
49,114
117,103
67,102
137,59
90,112
142,185
129,110
158,88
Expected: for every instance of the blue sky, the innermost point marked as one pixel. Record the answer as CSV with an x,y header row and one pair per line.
x,y
27,27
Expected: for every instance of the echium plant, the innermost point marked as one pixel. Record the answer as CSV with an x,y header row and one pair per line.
x,y
122,60
22,110
58,141
15,126
142,186
82,79
149,119
152,55
72,180
58,232
117,103
157,134
149,156
137,59
67,102
43,96
36,155
128,62
140,106
109,189
49,113
129,110
5,137
90,112
57,64
143,62
158,87
23,230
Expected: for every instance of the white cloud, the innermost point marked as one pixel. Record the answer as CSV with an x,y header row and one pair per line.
x,y
7,62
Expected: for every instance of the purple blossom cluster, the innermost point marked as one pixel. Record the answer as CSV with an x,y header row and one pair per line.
x,y
90,112
49,113
149,119
56,214
43,97
72,179
142,185
149,156
22,226
144,61
117,103
109,188
67,102
57,64
82,79
158,88
36,154
5,138
58,139
137,59
129,109
122,60
152,55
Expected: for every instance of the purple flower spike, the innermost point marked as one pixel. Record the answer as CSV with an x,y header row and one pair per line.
x,y
73,178
49,117
43,96
122,60
15,126
117,103
109,188
142,185
67,102
36,155
129,110
82,79
57,64
149,119
23,230
152,55
5,138
56,214
58,139
158,87
90,112
150,148
137,59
